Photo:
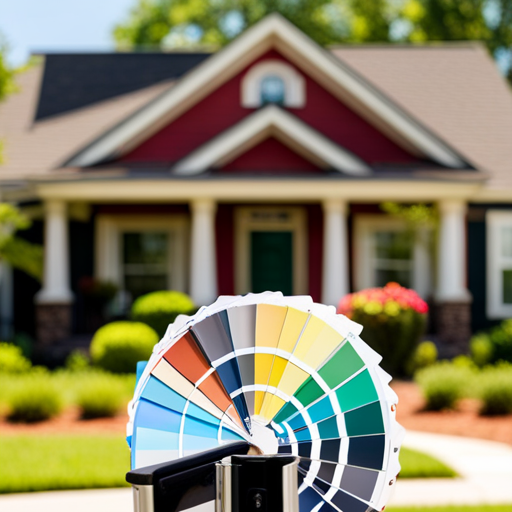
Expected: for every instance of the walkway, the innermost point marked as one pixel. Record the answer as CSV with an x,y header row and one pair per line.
x,y
485,468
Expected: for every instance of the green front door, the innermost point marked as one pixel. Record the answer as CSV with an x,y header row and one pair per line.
x,y
272,261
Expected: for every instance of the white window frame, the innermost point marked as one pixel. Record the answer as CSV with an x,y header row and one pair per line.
x,y
108,251
294,84
364,228
245,224
495,220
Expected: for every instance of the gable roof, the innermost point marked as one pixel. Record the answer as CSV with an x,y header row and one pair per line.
x,y
457,92
272,31
72,81
35,149
271,121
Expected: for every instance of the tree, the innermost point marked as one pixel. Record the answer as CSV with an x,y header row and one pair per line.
x,y
17,252
189,23
216,22
489,21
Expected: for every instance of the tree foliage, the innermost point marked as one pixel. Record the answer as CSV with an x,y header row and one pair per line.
x,y
216,22
489,21
194,23
16,251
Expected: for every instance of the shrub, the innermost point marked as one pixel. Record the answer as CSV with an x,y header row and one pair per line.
x,y
495,390
424,355
443,384
481,349
77,361
494,346
393,318
159,309
101,396
12,359
116,347
36,398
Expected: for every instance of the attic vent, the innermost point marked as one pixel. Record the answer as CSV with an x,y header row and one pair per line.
x,y
273,81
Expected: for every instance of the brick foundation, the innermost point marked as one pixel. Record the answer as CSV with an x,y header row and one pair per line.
x,y
53,323
453,327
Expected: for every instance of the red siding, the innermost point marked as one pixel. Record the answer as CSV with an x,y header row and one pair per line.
x,y
226,250
224,227
270,155
221,109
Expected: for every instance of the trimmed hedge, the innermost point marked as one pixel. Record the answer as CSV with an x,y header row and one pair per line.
x,y
118,346
37,398
444,384
159,309
12,359
495,390
101,397
493,346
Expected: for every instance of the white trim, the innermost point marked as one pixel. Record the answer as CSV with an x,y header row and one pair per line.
x,y
335,271
108,230
294,84
245,223
273,31
496,220
274,190
364,228
270,121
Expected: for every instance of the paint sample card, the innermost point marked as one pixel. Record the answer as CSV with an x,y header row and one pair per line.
x,y
280,373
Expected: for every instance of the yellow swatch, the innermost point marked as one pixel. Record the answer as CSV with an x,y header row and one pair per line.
x,y
292,328
276,373
262,366
327,341
269,323
274,406
293,377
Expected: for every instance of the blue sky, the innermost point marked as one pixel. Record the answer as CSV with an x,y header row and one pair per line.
x,y
52,25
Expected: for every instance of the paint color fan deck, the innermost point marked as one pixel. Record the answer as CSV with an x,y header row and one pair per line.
x,y
284,374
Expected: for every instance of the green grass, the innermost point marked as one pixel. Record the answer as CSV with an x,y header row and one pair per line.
x,y
52,462
420,465
454,508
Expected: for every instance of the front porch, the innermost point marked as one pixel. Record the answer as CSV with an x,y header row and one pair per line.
x,y
326,246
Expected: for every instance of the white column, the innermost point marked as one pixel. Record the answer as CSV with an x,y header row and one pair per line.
x,y
335,283
451,260
203,266
56,287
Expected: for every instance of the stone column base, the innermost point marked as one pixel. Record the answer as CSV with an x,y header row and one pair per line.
x,y
53,323
452,320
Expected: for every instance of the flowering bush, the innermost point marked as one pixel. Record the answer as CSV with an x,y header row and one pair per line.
x,y
393,318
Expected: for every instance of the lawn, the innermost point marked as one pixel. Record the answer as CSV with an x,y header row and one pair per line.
x,y
53,462
420,465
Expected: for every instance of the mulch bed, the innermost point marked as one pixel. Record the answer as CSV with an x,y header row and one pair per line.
x,y
465,421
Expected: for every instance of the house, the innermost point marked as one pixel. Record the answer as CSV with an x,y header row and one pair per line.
x,y
262,166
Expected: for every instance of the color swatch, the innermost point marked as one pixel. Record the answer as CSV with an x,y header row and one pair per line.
x,y
284,374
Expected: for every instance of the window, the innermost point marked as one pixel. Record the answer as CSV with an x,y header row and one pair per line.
x,y
141,254
499,264
145,257
272,90
386,251
273,81
393,257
